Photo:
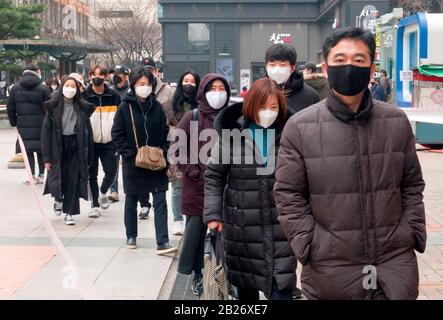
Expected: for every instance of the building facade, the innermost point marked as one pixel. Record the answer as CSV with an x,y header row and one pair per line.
x,y
231,36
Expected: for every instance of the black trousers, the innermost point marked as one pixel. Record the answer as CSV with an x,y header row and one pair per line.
x,y
70,175
108,157
160,216
247,294
193,249
41,166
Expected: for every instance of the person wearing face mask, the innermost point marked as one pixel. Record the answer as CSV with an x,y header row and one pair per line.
x,y
185,99
53,84
26,111
106,102
66,147
212,96
280,66
151,128
349,186
239,201
164,93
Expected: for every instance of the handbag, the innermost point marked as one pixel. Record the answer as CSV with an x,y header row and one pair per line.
x,y
151,158
215,280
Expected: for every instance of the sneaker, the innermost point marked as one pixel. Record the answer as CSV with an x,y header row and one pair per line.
x,y
179,228
113,197
104,201
58,208
131,243
197,285
40,179
95,213
144,214
69,220
165,249
297,294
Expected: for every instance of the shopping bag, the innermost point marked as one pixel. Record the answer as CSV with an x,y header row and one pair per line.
x,y
215,280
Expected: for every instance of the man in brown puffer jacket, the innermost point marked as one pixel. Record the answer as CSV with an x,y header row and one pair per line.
x,y
349,187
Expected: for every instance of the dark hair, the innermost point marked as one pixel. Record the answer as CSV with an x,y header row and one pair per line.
x,y
32,67
258,95
64,79
104,71
281,52
352,33
138,73
384,72
244,88
179,96
311,66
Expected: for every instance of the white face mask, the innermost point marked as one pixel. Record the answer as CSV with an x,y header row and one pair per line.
x,y
54,88
267,118
143,91
216,99
69,92
279,74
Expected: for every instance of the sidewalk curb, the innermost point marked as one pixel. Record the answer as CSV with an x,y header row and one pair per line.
x,y
171,276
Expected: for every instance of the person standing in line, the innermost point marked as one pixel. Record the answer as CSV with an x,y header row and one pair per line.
x,y
316,80
238,195
349,186
106,102
121,86
141,121
185,99
281,67
212,96
67,147
25,109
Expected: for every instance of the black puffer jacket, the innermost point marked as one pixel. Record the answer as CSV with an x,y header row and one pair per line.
x,y
52,144
257,250
298,94
26,111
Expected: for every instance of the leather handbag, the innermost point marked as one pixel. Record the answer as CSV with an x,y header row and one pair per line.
x,y
151,158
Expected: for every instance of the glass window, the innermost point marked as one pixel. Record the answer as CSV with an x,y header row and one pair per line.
x,y
198,37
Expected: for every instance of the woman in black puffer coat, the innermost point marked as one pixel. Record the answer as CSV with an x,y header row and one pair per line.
x,y
239,199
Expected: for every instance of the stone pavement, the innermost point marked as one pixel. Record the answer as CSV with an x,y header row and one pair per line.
x,y
32,270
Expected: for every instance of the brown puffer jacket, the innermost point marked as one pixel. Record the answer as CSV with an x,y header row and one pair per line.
x,y
349,194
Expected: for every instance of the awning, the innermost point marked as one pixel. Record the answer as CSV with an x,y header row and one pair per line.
x,y
431,70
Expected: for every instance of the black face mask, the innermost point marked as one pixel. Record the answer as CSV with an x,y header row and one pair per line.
x,y
188,89
116,80
349,80
98,81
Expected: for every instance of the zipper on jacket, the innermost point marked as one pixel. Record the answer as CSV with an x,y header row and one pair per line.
x,y
362,194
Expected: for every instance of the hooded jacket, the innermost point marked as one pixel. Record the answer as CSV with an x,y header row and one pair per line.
x,y
257,251
51,138
26,109
103,117
152,129
298,95
349,192
193,181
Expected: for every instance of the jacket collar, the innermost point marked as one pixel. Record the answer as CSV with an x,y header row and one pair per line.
x,y
108,92
343,113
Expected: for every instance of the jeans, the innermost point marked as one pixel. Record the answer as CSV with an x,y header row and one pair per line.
x,y
247,294
41,166
176,199
160,216
108,157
